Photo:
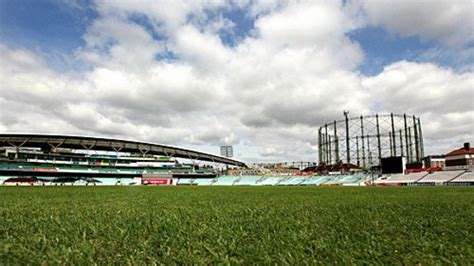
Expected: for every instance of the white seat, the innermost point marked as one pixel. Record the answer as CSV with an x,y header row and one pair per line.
x,y
440,177
247,180
225,181
465,177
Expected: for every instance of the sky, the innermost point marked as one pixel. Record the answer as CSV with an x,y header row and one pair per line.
x,y
259,75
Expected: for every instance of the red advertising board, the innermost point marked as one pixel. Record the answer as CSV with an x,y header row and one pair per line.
x,y
157,181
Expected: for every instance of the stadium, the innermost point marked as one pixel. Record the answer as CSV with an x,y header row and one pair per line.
x,y
61,159
44,159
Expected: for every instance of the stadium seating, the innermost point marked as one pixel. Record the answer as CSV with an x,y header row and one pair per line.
x,y
467,177
225,181
107,181
3,178
269,181
441,176
247,180
292,181
185,181
204,181
351,179
315,180
334,180
125,181
401,178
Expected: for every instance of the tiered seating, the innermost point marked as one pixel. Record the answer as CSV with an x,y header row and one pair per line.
x,y
185,181
225,181
126,181
440,177
402,178
465,177
316,180
203,181
292,180
351,179
269,181
248,180
3,178
106,181
46,180
334,180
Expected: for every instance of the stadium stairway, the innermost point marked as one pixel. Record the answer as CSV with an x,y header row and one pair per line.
x,y
355,179
225,181
466,177
401,178
269,181
334,180
315,180
247,180
292,181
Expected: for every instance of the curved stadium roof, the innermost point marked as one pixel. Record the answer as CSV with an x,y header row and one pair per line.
x,y
107,144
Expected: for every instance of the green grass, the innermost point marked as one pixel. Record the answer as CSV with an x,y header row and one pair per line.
x,y
203,225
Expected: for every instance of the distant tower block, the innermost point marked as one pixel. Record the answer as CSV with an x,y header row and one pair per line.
x,y
364,140
227,151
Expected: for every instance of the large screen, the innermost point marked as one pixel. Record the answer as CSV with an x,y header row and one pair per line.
x,y
393,165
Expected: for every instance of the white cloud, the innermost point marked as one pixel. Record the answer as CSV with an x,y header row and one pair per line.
x,y
443,99
450,22
267,94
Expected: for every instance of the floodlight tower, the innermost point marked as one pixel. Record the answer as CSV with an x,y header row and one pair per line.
x,y
228,152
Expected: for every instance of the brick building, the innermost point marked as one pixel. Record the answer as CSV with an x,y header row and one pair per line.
x,y
461,158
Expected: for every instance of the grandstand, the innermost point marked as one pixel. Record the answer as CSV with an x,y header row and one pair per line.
x,y
28,159
292,181
247,180
465,178
63,159
269,181
203,181
401,178
316,180
457,177
185,181
441,177
225,181
346,179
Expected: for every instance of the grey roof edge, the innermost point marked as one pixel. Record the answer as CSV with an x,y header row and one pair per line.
x,y
202,155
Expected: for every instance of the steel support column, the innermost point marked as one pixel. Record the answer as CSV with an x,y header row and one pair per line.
x,y
362,136
391,146
394,143
357,151
369,151
336,142
411,145
379,145
326,148
417,152
401,143
348,151
422,149
319,146
406,137
330,151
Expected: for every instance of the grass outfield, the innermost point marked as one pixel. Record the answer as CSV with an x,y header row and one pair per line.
x,y
376,225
